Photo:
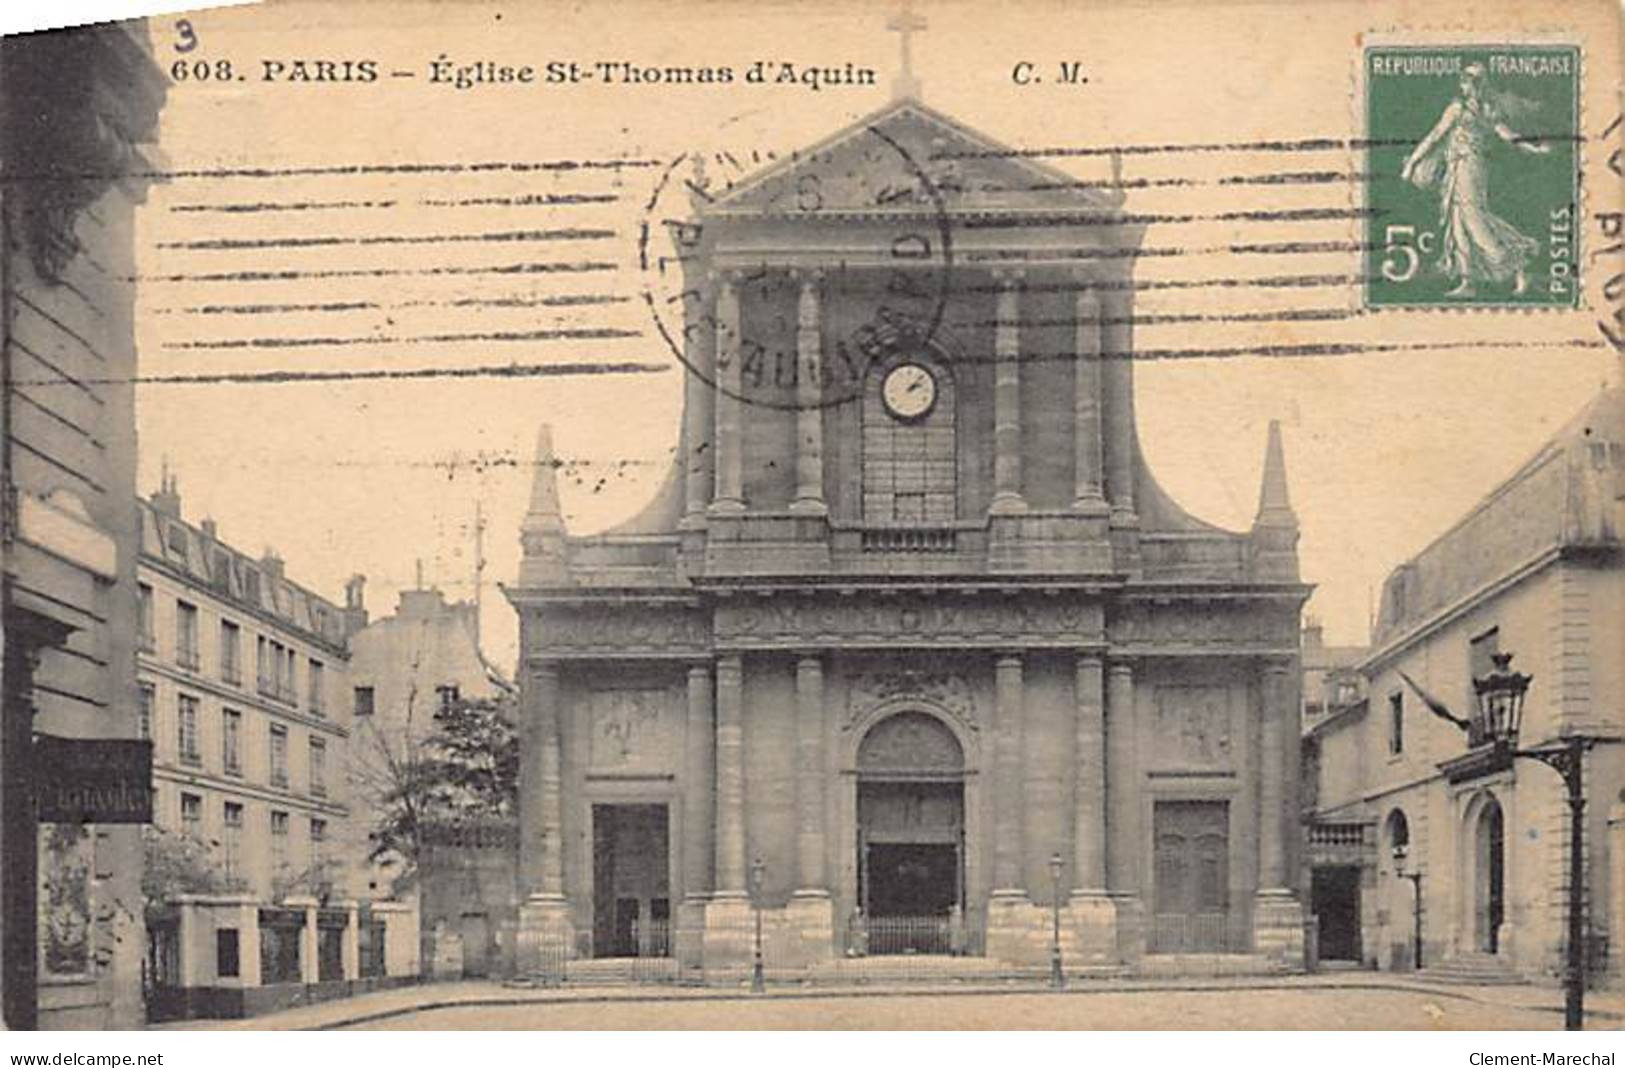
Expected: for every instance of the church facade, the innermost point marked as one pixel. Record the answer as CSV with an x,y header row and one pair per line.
x,y
910,651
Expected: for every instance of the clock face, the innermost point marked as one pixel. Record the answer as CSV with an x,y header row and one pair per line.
x,y
909,391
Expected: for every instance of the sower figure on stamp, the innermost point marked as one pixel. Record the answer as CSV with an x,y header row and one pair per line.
x,y
1476,245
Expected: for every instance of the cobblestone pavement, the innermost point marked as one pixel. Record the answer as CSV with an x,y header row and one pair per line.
x,y
1325,1008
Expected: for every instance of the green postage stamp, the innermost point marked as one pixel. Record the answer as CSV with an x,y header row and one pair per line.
x,y
1472,172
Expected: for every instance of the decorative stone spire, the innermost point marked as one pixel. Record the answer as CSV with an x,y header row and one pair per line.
x,y
1275,528
541,534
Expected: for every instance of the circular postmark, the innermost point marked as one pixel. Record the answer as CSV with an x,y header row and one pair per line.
x,y
809,271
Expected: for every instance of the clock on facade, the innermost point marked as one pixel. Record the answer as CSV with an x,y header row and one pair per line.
x,y
909,390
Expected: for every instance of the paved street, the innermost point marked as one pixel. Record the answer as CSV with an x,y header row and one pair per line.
x,y
1310,1008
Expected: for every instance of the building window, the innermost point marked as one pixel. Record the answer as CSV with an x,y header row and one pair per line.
x,y
231,734
231,652
316,683
148,629
187,730
1396,723
318,767
186,653
148,698
275,670
363,700
233,840
192,815
448,696
279,756
318,848
279,841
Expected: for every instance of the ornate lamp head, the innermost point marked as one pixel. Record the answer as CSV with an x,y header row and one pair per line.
x,y
1500,694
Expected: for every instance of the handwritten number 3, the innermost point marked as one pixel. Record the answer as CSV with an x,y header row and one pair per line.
x,y
188,36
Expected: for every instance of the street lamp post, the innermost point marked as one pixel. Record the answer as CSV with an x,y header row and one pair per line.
x,y
1495,728
758,979
1416,908
1057,977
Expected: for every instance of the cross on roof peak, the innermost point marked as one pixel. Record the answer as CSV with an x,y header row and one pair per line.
x,y
905,24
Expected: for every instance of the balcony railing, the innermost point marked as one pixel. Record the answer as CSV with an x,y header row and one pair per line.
x,y
1337,835
908,540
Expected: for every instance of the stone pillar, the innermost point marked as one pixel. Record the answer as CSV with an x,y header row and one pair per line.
x,y
309,944
248,942
809,400
811,912
1087,495
1277,914
550,871
727,941
699,801
730,494
810,774
352,940
730,801
1271,793
1089,827
699,813
1007,496
544,916
1090,931
1123,783
699,421
1009,699
1117,373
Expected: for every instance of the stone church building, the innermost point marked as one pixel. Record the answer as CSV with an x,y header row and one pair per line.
x,y
910,641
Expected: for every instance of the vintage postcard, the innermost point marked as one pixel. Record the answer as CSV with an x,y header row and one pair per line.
x,y
626,515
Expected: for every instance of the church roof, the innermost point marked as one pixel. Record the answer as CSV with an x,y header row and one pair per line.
x,y
908,157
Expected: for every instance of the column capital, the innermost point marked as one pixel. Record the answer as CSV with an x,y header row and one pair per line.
x,y
699,671
1277,665
810,277
1090,658
1007,661
1120,665
1009,277
732,663
724,276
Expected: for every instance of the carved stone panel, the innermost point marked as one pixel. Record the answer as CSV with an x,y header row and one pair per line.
x,y
943,690
627,629
1189,625
1054,622
631,730
1193,727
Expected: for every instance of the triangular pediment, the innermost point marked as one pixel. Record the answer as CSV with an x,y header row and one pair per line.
x,y
909,158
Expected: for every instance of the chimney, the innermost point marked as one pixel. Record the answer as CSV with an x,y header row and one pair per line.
x,y
167,501
271,563
210,530
355,604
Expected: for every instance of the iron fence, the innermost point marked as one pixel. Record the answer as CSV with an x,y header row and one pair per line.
x,y
1200,932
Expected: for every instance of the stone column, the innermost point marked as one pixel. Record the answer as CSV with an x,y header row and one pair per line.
x,y
550,883
730,872
809,400
699,418
1089,827
1117,373
1122,782
699,801
1087,495
810,775
1277,914
730,494
545,927
1007,496
1010,699
1271,793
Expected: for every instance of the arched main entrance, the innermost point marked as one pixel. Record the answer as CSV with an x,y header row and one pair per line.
x,y
1489,877
911,835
